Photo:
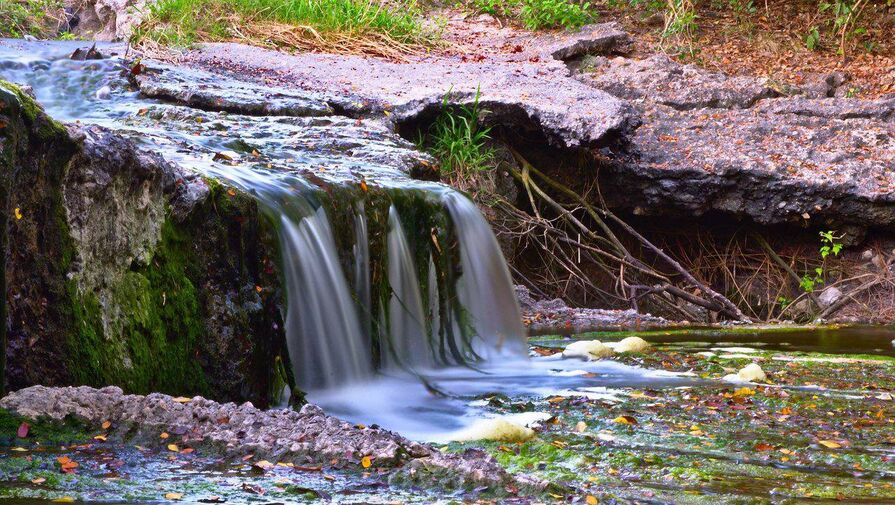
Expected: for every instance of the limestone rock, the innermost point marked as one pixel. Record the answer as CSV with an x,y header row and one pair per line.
x,y
829,296
587,350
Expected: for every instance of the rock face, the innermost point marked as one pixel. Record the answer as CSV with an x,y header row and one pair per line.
x,y
673,140
304,438
528,90
121,269
107,20
732,145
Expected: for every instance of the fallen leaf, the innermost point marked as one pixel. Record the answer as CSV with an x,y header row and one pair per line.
x,y
39,480
763,447
106,425
173,496
743,392
625,420
262,465
182,399
23,430
829,444
591,500
163,435
18,214
64,499
173,448
19,449
101,438
581,426
366,462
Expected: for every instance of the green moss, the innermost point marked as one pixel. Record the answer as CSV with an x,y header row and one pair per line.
x,y
160,323
40,432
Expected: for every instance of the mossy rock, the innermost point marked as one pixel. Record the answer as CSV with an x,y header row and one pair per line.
x,y
111,279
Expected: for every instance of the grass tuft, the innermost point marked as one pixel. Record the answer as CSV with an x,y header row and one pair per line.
x,y
342,26
459,141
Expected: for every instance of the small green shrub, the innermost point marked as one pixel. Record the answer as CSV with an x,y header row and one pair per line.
x,y
812,40
545,14
459,141
29,17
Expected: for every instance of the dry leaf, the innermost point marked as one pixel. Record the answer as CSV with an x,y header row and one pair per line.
x,y
829,444
366,462
591,500
182,399
173,496
173,448
106,425
625,420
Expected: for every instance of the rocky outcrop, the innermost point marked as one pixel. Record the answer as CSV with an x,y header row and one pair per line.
x,y
527,90
107,20
552,316
123,269
730,145
304,438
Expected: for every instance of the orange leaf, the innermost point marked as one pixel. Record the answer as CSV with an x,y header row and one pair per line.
x,y
366,462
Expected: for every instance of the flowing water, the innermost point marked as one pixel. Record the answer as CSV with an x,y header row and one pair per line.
x,y
400,307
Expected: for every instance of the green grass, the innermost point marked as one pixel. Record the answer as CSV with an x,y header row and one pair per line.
x,y
29,17
184,22
459,141
539,14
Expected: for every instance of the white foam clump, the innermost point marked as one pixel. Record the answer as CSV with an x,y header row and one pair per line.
x,y
497,429
735,350
632,344
587,350
750,373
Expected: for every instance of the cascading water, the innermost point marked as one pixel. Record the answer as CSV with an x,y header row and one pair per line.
x,y
394,286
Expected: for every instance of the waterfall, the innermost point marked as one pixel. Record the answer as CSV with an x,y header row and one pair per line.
x,y
485,287
323,333
394,274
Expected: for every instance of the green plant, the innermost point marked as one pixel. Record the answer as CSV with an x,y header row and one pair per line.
x,y
29,17
458,139
830,244
545,14
812,40
680,19
845,16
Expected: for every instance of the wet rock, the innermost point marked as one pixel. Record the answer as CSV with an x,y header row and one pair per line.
x,y
530,96
211,92
588,350
303,438
133,253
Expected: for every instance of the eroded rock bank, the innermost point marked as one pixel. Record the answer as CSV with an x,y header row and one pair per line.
x,y
304,438
123,269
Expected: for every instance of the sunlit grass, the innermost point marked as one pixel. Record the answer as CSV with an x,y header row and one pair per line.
x,y
340,25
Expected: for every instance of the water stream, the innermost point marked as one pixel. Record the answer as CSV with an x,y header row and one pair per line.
x,y
405,330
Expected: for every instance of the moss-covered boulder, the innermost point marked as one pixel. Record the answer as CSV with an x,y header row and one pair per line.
x,y
122,269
